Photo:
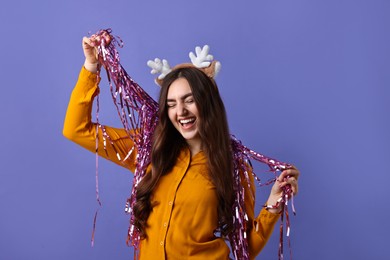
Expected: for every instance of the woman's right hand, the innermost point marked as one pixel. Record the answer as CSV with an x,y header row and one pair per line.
x,y
90,52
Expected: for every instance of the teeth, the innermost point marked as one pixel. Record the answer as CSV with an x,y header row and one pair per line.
x,y
186,121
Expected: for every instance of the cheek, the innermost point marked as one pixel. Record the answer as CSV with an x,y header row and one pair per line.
x,y
171,115
195,110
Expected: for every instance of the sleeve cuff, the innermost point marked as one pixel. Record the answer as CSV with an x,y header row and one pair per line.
x,y
268,217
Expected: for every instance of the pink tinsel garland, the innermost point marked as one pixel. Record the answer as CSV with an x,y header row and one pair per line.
x,y
137,110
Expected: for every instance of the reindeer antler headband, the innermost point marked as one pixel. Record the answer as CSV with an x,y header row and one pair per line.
x,y
201,60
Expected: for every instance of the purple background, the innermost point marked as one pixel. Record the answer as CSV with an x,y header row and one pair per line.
x,y
304,81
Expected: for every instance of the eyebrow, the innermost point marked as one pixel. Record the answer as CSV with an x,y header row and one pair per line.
x,y
182,97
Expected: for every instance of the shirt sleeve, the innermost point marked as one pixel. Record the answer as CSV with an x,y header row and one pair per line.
x,y
79,128
260,228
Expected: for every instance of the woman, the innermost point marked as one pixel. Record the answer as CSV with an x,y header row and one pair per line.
x,y
186,197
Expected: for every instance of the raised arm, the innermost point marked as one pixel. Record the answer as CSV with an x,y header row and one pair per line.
x,y
114,144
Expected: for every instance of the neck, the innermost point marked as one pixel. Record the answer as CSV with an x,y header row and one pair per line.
x,y
195,146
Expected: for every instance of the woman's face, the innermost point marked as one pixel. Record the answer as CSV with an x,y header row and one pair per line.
x,y
182,111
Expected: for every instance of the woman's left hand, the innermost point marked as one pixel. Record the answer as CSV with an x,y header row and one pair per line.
x,y
287,177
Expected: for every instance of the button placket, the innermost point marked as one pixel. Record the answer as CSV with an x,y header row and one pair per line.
x,y
184,165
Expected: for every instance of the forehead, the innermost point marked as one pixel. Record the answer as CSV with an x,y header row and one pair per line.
x,y
179,88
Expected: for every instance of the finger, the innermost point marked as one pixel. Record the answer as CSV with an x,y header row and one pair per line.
x,y
292,167
106,37
88,47
98,39
289,173
292,181
293,184
87,41
294,187
289,181
94,38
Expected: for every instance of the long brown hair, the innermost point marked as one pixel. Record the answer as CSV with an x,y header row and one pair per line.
x,y
168,142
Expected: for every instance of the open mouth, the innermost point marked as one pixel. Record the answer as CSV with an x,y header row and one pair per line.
x,y
188,122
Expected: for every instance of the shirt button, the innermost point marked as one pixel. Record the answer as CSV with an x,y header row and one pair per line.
x,y
161,243
165,224
170,203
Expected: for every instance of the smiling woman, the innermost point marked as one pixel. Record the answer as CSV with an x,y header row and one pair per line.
x,y
191,197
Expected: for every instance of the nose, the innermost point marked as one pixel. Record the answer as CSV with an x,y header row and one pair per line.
x,y
181,109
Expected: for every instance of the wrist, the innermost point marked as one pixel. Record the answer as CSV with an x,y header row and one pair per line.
x,y
273,209
91,66
273,205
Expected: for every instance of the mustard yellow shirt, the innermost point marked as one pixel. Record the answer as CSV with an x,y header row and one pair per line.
x,y
184,217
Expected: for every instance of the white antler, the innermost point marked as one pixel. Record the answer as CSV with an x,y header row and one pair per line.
x,y
159,66
202,59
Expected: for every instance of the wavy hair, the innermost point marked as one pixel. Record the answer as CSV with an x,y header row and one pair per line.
x,y
168,142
